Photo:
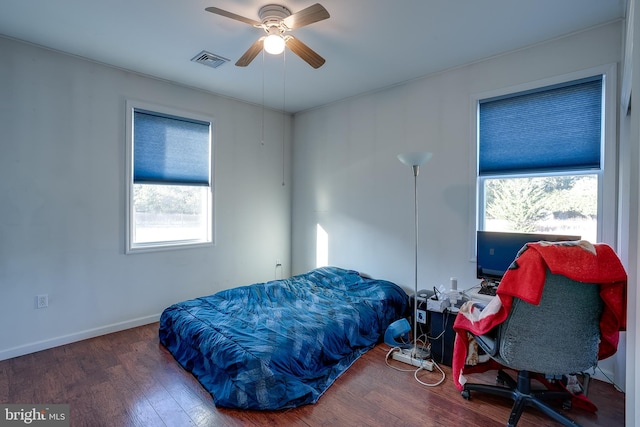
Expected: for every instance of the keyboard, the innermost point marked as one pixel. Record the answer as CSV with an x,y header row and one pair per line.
x,y
484,291
488,290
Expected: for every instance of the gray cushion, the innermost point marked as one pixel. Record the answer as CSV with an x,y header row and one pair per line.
x,y
560,336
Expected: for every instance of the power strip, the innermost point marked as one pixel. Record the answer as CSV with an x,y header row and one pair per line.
x,y
404,356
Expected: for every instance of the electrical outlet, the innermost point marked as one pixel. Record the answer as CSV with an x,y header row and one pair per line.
x,y
278,263
42,301
422,316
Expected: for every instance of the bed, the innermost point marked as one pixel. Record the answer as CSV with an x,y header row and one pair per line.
x,y
280,344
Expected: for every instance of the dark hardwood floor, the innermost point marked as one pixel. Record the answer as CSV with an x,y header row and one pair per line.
x,y
129,379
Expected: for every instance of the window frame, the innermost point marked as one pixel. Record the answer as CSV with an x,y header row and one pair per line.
x,y
607,182
130,246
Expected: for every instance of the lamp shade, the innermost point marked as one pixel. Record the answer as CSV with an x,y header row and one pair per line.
x,y
274,44
416,158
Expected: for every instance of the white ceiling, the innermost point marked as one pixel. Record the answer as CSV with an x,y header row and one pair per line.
x,y
367,44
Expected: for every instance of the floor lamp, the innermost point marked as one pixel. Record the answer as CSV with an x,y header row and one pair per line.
x,y
415,160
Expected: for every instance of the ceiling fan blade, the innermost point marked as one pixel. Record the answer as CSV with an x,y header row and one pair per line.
x,y
306,16
305,52
221,12
251,53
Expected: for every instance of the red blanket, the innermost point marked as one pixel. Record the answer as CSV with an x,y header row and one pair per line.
x,y
579,261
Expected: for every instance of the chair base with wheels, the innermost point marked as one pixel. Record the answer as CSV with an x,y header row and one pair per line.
x,y
521,393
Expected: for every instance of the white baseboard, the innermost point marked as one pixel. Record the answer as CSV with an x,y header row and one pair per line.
x,y
77,336
605,375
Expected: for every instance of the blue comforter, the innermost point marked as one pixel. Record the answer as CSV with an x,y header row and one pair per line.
x,y
280,344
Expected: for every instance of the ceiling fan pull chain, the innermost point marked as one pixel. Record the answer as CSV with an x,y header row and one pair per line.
x,y
262,112
284,113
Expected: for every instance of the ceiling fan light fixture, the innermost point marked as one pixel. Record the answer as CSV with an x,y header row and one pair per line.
x,y
276,20
274,44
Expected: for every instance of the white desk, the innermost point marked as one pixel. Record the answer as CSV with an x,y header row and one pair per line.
x,y
473,294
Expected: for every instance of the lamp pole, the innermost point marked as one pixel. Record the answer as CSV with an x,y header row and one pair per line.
x,y
416,170
414,160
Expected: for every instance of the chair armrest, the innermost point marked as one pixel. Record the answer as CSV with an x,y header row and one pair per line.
x,y
489,341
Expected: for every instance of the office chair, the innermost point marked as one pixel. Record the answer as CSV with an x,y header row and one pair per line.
x,y
559,336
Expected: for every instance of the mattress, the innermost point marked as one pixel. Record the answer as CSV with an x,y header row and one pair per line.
x,y
280,344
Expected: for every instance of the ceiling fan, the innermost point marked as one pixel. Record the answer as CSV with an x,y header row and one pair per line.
x,y
276,21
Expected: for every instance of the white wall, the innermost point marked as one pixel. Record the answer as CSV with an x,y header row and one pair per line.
x,y
62,206
630,192
347,177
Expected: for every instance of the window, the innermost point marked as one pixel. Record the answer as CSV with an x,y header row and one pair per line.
x,y
169,188
540,162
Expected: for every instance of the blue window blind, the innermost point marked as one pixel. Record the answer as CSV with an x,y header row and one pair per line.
x,y
553,129
170,150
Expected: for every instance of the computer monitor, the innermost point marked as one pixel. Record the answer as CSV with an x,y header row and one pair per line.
x,y
497,250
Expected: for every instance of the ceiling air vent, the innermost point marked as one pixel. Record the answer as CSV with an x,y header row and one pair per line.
x,y
209,59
